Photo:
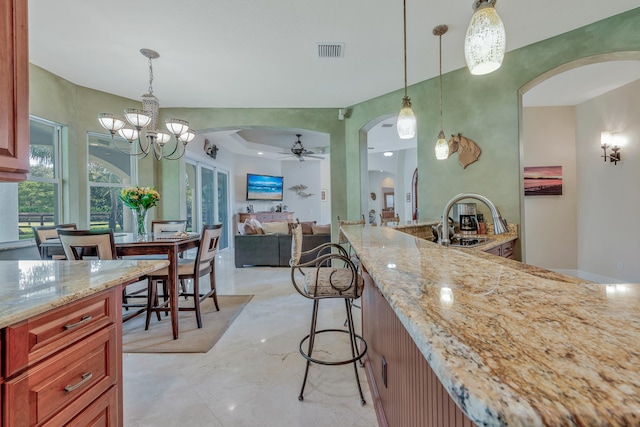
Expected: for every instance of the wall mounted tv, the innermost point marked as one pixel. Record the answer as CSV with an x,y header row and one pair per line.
x,y
264,187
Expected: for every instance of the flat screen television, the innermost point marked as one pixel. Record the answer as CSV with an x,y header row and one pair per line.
x,y
264,187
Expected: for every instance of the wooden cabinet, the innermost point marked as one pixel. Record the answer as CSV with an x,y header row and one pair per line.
x,y
266,216
405,390
14,91
64,367
505,250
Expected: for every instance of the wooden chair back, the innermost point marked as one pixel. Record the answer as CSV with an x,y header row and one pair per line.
x,y
169,226
46,232
80,244
208,248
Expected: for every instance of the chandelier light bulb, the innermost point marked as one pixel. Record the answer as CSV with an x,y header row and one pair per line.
x,y
406,120
442,147
485,43
111,122
129,133
137,118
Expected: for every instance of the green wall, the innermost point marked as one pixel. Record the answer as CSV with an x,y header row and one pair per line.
x,y
486,110
482,108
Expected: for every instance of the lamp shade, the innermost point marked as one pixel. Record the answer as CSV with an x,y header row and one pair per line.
x,y
129,133
111,122
137,118
485,42
442,147
177,126
406,120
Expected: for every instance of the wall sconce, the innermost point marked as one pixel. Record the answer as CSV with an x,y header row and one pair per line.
x,y
613,141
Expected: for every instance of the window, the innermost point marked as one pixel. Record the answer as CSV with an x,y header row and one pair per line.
x,y
110,170
39,196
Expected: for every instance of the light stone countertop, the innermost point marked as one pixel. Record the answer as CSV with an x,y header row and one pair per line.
x,y
29,288
512,345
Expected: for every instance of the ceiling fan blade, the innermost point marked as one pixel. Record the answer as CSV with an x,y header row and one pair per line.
x,y
315,157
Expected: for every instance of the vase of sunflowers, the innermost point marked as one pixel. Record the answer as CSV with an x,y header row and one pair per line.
x,y
139,200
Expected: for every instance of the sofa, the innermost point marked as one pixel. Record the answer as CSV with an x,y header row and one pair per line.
x,y
273,250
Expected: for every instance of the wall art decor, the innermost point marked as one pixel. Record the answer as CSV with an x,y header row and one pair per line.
x,y
543,180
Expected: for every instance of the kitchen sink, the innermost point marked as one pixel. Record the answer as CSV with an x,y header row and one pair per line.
x,y
468,241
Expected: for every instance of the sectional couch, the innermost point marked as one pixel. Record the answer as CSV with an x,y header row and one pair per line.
x,y
273,250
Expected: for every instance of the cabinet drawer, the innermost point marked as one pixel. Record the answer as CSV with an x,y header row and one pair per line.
x,y
101,413
71,379
494,251
34,339
507,250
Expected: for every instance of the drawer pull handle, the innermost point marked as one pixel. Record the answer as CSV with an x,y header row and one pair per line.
x,y
86,377
85,319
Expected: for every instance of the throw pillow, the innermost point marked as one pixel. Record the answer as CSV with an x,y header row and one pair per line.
x,y
307,227
278,227
256,225
241,229
321,229
249,228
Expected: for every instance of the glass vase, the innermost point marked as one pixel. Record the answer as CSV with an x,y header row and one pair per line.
x,y
139,223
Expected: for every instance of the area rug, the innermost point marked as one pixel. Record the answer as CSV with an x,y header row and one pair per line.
x,y
158,338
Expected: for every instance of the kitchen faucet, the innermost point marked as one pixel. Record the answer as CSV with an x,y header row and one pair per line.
x,y
499,224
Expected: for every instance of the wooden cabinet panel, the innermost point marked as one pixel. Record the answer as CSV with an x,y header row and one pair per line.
x,y
67,382
505,250
101,413
41,336
405,390
14,91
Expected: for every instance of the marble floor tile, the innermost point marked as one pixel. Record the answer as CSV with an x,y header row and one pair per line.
x,y
252,376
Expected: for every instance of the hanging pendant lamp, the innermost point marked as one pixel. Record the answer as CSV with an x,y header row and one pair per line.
x,y
485,43
406,118
442,146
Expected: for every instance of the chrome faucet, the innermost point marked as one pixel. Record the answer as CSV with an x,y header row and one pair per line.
x,y
499,224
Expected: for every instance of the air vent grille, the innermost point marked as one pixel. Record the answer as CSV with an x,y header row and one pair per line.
x,y
330,50
387,125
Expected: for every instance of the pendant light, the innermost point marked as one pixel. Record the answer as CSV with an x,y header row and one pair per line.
x,y
442,146
406,118
485,43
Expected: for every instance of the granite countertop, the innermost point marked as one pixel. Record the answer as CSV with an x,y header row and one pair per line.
x,y
512,345
30,288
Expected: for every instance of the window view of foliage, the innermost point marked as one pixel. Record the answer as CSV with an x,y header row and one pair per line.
x,y
106,207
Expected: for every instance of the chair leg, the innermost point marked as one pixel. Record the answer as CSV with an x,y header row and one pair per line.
x,y
354,346
196,301
312,337
212,283
152,301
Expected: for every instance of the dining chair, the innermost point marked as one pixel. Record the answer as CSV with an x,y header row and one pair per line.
x,y
168,225
98,244
46,232
330,275
203,264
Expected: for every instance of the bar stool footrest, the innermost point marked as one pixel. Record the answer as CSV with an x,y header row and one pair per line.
x,y
360,355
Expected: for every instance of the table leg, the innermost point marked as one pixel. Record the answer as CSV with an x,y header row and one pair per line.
x,y
172,286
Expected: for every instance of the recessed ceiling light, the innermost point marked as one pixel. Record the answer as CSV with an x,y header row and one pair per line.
x,y
260,153
388,153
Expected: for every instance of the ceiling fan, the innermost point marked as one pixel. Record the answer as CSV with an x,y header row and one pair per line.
x,y
300,152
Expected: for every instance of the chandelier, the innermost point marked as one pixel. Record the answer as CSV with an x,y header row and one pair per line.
x,y
442,146
135,120
485,43
406,124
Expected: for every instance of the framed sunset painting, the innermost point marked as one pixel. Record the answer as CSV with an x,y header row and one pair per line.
x,y
543,180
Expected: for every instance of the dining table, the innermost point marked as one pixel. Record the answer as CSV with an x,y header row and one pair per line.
x,y
129,245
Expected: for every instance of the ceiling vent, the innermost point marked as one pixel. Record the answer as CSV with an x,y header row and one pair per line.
x,y
330,50
387,125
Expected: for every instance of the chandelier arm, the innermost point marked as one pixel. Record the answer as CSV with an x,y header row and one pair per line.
x,y
157,151
176,158
129,153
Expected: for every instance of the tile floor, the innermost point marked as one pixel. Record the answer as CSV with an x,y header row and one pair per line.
x,y
252,376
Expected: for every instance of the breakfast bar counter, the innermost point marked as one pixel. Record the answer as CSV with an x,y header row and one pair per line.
x,y
510,344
